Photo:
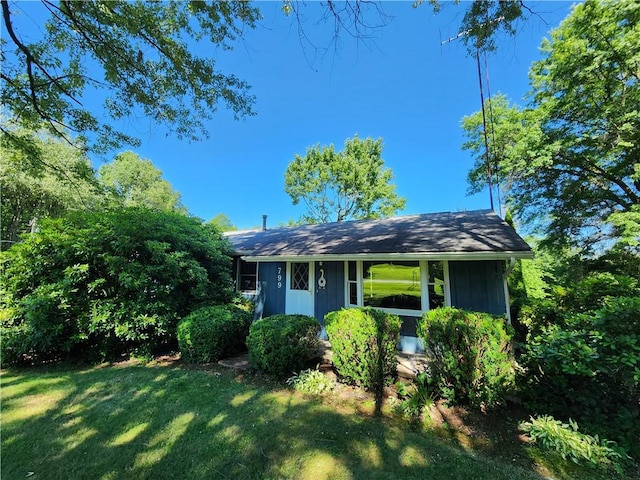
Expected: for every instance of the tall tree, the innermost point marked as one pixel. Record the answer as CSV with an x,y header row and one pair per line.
x,y
138,53
506,127
223,222
575,167
337,186
136,182
30,193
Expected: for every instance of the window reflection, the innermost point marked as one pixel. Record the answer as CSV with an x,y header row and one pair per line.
x,y
392,285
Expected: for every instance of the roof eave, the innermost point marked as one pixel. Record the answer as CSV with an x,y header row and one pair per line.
x,y
504,255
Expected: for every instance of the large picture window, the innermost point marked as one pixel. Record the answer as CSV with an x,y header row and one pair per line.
x,y
392,285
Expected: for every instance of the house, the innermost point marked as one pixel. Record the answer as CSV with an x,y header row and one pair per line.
x,y
405,265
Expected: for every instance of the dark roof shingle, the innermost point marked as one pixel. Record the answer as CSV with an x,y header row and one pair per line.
x,y
436,233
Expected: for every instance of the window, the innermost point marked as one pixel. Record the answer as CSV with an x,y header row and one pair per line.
x,y
392,285
299,276
352,283
436,284
248,276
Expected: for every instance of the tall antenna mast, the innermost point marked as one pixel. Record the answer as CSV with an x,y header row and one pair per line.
x,y
484,116
484,131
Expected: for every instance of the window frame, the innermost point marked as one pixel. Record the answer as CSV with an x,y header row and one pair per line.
x,y
240,276
424,285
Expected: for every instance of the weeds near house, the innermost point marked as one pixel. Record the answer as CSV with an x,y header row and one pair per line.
x,y
416,399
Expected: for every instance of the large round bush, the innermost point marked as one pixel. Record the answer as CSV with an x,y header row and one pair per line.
x,y
470,356
210,333
282,344
107,283
364,344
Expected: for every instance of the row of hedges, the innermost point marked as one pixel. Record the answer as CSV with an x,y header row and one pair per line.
x,y
471,358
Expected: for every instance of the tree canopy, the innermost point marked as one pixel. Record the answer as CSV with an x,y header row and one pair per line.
x,y
135,181
223,223
30,193
337,186
139,54
569,161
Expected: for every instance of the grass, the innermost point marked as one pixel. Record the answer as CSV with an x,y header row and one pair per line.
x,y
164,420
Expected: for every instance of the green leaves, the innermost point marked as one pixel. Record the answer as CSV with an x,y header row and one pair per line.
x,y
282,344
565,439
364,345
470,356
337,186
569,161
137,182
110,282
138,53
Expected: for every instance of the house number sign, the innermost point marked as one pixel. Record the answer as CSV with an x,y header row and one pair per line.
x,y
279,277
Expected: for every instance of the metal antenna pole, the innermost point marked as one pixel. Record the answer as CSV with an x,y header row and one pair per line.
x,y
493,137
484,117
484,131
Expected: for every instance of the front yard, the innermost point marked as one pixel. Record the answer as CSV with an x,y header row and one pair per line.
x,y
168,420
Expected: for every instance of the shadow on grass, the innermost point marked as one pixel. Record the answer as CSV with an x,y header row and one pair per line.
x,y
164,421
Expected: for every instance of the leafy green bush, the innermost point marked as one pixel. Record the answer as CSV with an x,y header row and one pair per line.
x,y
210,333
102,284
470,356
589,293
589,365
311,381
282,344
364,344
571,444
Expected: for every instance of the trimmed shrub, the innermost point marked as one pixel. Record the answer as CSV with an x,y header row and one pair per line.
x,y
211,333
364,344
282,344
471,359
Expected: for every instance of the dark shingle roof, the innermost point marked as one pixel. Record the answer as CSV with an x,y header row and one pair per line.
x,y
480,231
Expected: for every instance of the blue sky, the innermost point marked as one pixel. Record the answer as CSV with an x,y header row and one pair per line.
x,y
402,85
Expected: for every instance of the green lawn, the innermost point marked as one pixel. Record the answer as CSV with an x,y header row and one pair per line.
x,y
164,420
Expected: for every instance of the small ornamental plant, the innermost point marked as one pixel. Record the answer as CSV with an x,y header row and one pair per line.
x,y
311,381
571,444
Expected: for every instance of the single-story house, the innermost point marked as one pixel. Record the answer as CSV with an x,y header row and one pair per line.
x,y
405,265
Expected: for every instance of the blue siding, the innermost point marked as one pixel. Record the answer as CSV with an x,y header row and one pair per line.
x,y
272,289
331,297
478,286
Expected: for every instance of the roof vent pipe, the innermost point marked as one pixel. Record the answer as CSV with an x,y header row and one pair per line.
x,y
264,222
